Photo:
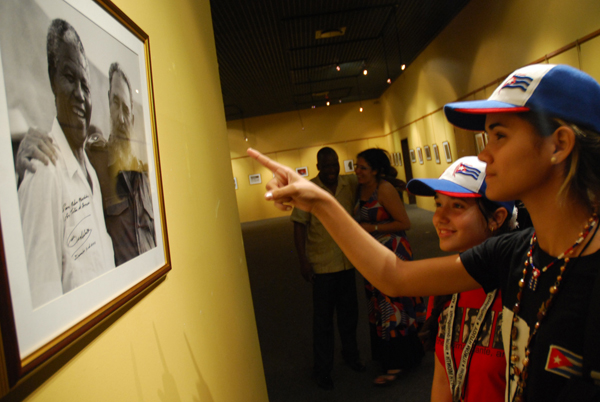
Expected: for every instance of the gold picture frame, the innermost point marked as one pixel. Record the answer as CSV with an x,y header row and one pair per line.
x,y
35,331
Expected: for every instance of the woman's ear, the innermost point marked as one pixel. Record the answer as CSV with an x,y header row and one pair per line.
x,y
563,140
497,219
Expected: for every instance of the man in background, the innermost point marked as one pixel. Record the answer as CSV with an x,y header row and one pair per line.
x,y
331,274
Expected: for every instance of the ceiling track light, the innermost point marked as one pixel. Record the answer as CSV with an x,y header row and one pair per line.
x,y
338,67
402,65
387,68
359,100
365,72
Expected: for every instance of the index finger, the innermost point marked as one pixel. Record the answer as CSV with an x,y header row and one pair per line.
x,y
264,160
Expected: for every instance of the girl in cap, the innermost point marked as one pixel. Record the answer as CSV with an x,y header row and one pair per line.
x,y
543,124
469,360
393,321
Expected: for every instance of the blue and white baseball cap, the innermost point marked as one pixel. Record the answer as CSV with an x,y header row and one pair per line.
x,y
559,91
465,178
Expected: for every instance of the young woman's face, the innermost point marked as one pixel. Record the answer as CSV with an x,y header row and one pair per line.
x,y
518,159
459,223
364,172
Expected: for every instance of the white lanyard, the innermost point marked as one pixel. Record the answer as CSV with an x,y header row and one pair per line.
x,y
457,380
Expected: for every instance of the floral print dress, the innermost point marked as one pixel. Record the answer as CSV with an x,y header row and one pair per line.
x,y
389,317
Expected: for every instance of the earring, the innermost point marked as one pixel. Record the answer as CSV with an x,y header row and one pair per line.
x,y
493,228
553,160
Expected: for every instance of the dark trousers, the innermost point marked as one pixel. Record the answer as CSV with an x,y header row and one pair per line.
x,y
334,292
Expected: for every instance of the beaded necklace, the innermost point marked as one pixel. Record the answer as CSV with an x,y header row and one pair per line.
x,y
543,311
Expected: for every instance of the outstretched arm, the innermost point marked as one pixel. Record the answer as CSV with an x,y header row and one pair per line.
x,y
377,263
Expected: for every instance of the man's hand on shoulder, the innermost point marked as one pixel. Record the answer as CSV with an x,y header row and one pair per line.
x,y
35,145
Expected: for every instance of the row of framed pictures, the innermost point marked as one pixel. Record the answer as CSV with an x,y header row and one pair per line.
x,y
428,156
396,160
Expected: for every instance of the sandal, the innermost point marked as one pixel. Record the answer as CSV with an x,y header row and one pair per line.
x,y
387,379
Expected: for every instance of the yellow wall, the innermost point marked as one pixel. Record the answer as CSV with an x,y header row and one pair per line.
x,y
193,337
293,139
484,43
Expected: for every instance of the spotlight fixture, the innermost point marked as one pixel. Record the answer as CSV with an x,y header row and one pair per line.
x,y
340,101
327,103
313,107
403,67
338,67
365,72
361,109
389,80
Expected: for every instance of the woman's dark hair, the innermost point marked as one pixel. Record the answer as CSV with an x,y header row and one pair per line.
x,y
582,170
379,160
487,209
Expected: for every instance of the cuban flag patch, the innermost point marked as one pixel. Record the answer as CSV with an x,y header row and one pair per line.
x,y
563,362
519,81
467,171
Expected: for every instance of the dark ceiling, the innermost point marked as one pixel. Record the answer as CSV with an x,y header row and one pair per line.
x,y
270,60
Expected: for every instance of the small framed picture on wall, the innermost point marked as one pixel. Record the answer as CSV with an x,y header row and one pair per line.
x,y
436,153
446,146
302,171
349,165
255,179
398,158
427,152
420,152
412,156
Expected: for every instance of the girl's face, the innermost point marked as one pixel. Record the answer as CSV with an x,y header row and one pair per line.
x,y
364,172
459,223
518,159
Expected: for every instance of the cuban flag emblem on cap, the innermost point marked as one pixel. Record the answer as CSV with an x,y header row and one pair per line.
x,y
467,171
519,81
563,362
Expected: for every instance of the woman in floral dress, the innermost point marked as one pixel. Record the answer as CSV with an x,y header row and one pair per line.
x,y
394,321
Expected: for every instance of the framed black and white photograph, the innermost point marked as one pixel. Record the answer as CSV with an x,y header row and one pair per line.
x,y
420,153
399,157
427,152
255,179
61,241
446,146
413,159
436,153
302,171
349,165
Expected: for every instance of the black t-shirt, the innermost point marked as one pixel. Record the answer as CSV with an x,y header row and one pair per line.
x,y
499,263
